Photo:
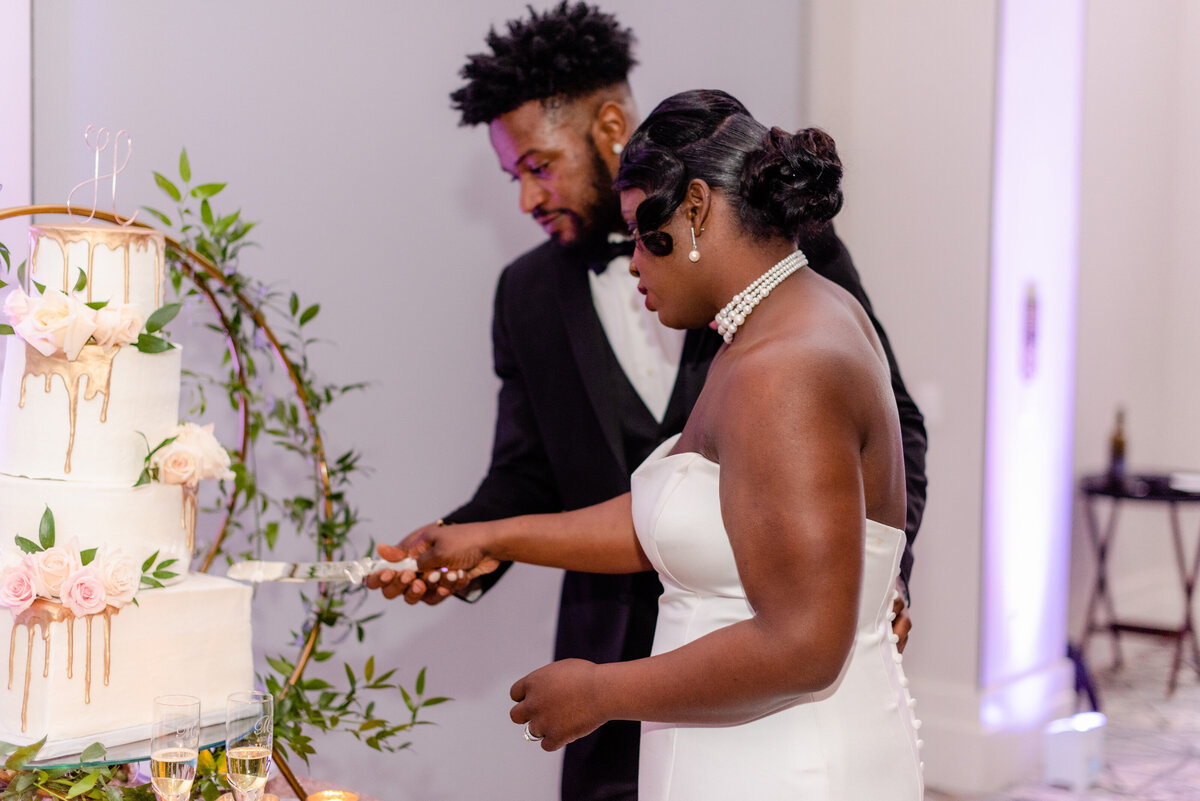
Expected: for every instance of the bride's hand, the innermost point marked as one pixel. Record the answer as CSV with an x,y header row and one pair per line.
x,y
558,702
451,547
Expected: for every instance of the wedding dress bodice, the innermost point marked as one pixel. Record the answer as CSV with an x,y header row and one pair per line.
x,y
855,740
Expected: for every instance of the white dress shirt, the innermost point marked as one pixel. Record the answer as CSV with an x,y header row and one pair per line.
x,y
646,349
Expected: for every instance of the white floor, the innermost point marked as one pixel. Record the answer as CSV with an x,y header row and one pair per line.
x,y
1152,742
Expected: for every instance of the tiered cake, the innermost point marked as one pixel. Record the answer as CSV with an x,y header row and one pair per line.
x,y
77,422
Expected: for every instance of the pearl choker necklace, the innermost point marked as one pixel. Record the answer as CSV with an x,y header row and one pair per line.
x,y
734,315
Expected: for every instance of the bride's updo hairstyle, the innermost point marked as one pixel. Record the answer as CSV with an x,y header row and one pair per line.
x,y
779,184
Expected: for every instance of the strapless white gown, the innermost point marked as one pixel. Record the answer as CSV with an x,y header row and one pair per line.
x,y
855,741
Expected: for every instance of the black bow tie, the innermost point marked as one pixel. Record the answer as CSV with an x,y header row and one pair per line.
x,y
598,260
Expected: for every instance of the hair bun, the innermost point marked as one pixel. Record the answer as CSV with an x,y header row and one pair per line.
x,y
795,179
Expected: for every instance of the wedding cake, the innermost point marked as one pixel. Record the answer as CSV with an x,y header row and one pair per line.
x,y
98,493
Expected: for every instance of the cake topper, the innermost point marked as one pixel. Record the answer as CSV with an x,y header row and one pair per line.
x,y
97,142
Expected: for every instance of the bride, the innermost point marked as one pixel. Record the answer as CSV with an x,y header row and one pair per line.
x,y
774,519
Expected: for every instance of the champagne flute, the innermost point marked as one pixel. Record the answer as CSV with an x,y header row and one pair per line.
x,y
174,746
249,720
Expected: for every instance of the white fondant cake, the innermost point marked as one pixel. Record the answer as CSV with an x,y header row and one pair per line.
x,y
87,420
139,520
77,422
123,265
192,638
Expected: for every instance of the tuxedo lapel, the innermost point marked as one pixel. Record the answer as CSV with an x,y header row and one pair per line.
x,y
593,355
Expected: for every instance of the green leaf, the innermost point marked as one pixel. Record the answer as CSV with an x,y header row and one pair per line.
x,y
81,284
294,304
185,167
369,670
168,187
3,284
147,343
310,313
162,218
151,582
86,557
5,328
94,752
206,214
46,529
4,255
28,546
144,478
162,315
271,533
96,305
83,785
206,190
420,687
149,561
41,288
18,758
21,274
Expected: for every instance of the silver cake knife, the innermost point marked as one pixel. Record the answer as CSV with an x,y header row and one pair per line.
x,y
353,571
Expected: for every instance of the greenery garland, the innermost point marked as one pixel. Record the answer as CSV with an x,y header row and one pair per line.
x,y
206,264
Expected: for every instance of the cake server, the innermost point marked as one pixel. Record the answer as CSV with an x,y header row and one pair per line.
x,y
353,571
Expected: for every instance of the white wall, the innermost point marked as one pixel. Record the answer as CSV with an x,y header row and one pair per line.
x,y
332,126
1139,337
16,86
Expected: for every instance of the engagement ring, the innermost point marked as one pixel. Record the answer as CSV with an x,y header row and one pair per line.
x,y
530,736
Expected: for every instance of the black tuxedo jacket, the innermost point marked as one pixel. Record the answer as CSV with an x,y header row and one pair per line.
x,y
558,446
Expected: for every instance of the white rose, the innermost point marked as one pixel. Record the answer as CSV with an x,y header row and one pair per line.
x,y
53,566
132,321
177,464
17,306
212,458
57,322
108,321
122,576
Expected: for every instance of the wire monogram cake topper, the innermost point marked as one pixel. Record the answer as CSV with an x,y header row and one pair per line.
x,y
96,141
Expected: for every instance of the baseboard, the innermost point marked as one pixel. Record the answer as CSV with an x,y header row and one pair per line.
x,y
983,740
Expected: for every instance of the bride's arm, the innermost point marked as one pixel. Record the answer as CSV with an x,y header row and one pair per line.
x,y
596,539
792,501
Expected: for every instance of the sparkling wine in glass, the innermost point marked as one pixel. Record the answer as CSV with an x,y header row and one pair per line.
x,y
249,720
174,746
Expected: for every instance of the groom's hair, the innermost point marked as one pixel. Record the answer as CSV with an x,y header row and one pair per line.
x,y
558,55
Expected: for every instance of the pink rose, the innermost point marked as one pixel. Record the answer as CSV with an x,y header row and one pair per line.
x,y
53,566
17,306
57,322
122,575
16,588
83,592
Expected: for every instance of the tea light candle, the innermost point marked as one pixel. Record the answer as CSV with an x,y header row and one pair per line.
x,y
333,795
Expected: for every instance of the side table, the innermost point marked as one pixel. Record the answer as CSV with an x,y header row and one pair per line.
x,y
1140,488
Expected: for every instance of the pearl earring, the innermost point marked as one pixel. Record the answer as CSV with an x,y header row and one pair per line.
x,y
694,255
618,148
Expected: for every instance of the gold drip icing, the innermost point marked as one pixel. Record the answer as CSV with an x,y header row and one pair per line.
x,y
70,646
188,516
43,612
114,238
93,364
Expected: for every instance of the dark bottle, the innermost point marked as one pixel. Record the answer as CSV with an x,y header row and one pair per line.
x,y
1116,448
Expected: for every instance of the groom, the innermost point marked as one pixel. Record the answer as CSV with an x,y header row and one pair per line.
x,y
591,382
